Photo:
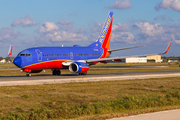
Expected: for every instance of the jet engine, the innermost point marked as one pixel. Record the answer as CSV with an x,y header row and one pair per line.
x,y
78,67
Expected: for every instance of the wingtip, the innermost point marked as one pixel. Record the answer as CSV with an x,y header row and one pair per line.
x,y
167,50
168,47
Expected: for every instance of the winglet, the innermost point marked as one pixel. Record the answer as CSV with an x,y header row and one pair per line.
x,y
166,49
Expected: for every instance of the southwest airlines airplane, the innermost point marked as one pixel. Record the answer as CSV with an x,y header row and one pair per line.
x,y
77,59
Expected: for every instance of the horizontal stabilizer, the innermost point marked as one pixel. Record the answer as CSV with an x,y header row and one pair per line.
x,y
125,48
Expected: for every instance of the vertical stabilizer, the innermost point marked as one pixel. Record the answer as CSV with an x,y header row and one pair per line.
x,y
105,36
10,50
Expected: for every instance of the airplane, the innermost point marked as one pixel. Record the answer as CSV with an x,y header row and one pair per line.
x,y
77,59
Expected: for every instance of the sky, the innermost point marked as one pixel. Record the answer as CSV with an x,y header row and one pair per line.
x,y
34,23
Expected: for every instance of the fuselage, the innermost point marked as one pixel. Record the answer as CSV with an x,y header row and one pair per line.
x,y
52,57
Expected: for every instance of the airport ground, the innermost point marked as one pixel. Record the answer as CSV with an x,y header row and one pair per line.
x,y
92,100
12,70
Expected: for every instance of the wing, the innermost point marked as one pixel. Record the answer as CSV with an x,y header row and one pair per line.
x,y
90,61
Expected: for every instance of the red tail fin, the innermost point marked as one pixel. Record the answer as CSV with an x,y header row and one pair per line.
x,y
105,36
10,50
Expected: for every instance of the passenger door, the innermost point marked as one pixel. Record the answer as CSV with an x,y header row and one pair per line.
x,y
39,55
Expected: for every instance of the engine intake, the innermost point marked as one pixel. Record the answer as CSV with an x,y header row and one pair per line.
x,y
78,67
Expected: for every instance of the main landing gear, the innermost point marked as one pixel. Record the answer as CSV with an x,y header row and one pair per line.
x,y
56,72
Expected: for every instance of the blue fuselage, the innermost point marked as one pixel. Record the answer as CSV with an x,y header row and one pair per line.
x,y
42,56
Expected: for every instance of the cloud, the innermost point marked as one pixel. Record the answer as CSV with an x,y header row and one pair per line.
x,y
156,33
7,34
177,37
138,33
24,22
60,37
160,17
120,27
177,41
65,25
95,30
150,29
125,37
163,18
150,33
63,31
169,4
48,27
65,36
120,5
121,33
30,41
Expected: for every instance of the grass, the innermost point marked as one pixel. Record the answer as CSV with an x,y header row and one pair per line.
x,y
6,66
89,100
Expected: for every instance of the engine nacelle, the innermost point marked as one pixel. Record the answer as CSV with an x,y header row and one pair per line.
x,y
78,67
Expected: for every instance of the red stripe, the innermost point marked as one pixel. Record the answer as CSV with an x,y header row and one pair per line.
x,y
105,42
47,65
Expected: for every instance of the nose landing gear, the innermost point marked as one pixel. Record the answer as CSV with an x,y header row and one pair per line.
x,y
28,74
84,73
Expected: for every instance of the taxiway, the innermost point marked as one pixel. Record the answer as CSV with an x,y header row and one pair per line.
x,y
162,115
67,78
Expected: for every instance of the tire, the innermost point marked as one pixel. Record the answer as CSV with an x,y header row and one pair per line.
x,y
54,72
28,74
84,73
58,72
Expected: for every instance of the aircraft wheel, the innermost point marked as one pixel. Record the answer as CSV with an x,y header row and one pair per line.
x,y
84,73
28,74
54,72
58,72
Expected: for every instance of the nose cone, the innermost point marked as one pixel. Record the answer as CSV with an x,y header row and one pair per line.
x,y
17,61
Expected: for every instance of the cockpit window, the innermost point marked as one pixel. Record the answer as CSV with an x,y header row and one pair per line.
x,y
27,55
